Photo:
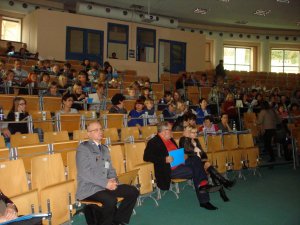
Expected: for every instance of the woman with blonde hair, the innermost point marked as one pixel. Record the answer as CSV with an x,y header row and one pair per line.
x,y
193,148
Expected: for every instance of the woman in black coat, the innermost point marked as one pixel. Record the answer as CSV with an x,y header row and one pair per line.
x,y
192,148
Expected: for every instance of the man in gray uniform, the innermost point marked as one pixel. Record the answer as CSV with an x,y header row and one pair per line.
x,y
97,179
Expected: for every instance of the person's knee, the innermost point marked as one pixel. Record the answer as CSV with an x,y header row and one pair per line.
x,y
110,205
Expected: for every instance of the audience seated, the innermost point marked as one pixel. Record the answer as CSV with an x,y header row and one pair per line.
x,y
136,114
163,103
31,83
67,102
55,70
9,83
99,98
202,111
157,152
208,126
193,148
20,74
169,112
52,90
223,125
150,112
118,104
86,65
79,96
18,113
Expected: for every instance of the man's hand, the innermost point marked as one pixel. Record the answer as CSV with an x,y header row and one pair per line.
x,y
169,159
112,184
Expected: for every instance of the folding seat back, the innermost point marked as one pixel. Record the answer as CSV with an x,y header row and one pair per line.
x,y
59,197
28,152
127,132
47,170
18,140
134,153
13,177
214,143
117,158
52,137
230,141
148,131
111,133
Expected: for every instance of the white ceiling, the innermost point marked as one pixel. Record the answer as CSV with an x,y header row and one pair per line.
x,y
283,16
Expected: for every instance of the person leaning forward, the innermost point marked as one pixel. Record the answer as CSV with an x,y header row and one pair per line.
x,y
97,180
157,152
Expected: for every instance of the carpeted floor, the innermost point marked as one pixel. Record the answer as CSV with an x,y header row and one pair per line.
x,y
272,199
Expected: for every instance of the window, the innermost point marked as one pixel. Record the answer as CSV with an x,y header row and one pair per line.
x,y
237,58
84,44
117,44
285,61
146,45
11,29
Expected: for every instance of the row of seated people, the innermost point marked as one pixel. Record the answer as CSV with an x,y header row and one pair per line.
x,y
172,112
214,173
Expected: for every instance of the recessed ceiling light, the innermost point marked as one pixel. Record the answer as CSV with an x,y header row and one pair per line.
x,y
261,12
284,1
201,11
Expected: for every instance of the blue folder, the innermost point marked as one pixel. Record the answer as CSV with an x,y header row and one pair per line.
x,y
178,156
27,217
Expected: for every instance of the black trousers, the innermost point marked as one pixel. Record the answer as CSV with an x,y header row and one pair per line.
x,y
110,211
268,136
193,169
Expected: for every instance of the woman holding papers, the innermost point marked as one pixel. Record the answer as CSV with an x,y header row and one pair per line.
x,y
192,148
158,151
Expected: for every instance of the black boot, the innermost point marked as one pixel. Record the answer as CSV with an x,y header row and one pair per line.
x,y
208,206
221,190
223,195
216,175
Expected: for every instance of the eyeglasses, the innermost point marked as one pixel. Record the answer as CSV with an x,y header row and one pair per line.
x,y
100,130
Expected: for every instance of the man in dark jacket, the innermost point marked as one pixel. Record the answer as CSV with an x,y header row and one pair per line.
x,y
157,152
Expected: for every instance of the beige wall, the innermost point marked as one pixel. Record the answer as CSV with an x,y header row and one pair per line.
x,y
50,33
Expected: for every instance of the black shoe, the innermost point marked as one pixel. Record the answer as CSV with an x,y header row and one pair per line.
x,y
208,206
209,188
223,195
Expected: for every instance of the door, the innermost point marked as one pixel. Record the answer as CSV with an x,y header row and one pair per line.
x,y
84,44
172,56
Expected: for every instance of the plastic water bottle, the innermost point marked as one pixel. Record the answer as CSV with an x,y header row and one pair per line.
x,y
1,114
233,126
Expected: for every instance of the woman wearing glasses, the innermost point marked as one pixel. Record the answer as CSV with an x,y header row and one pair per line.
x,y
192,148
19,114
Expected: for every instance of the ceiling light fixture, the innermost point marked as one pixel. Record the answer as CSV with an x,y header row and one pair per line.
x,y
201,11
261,12
283,1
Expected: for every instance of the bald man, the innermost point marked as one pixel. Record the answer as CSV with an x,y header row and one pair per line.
x,y
97,180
